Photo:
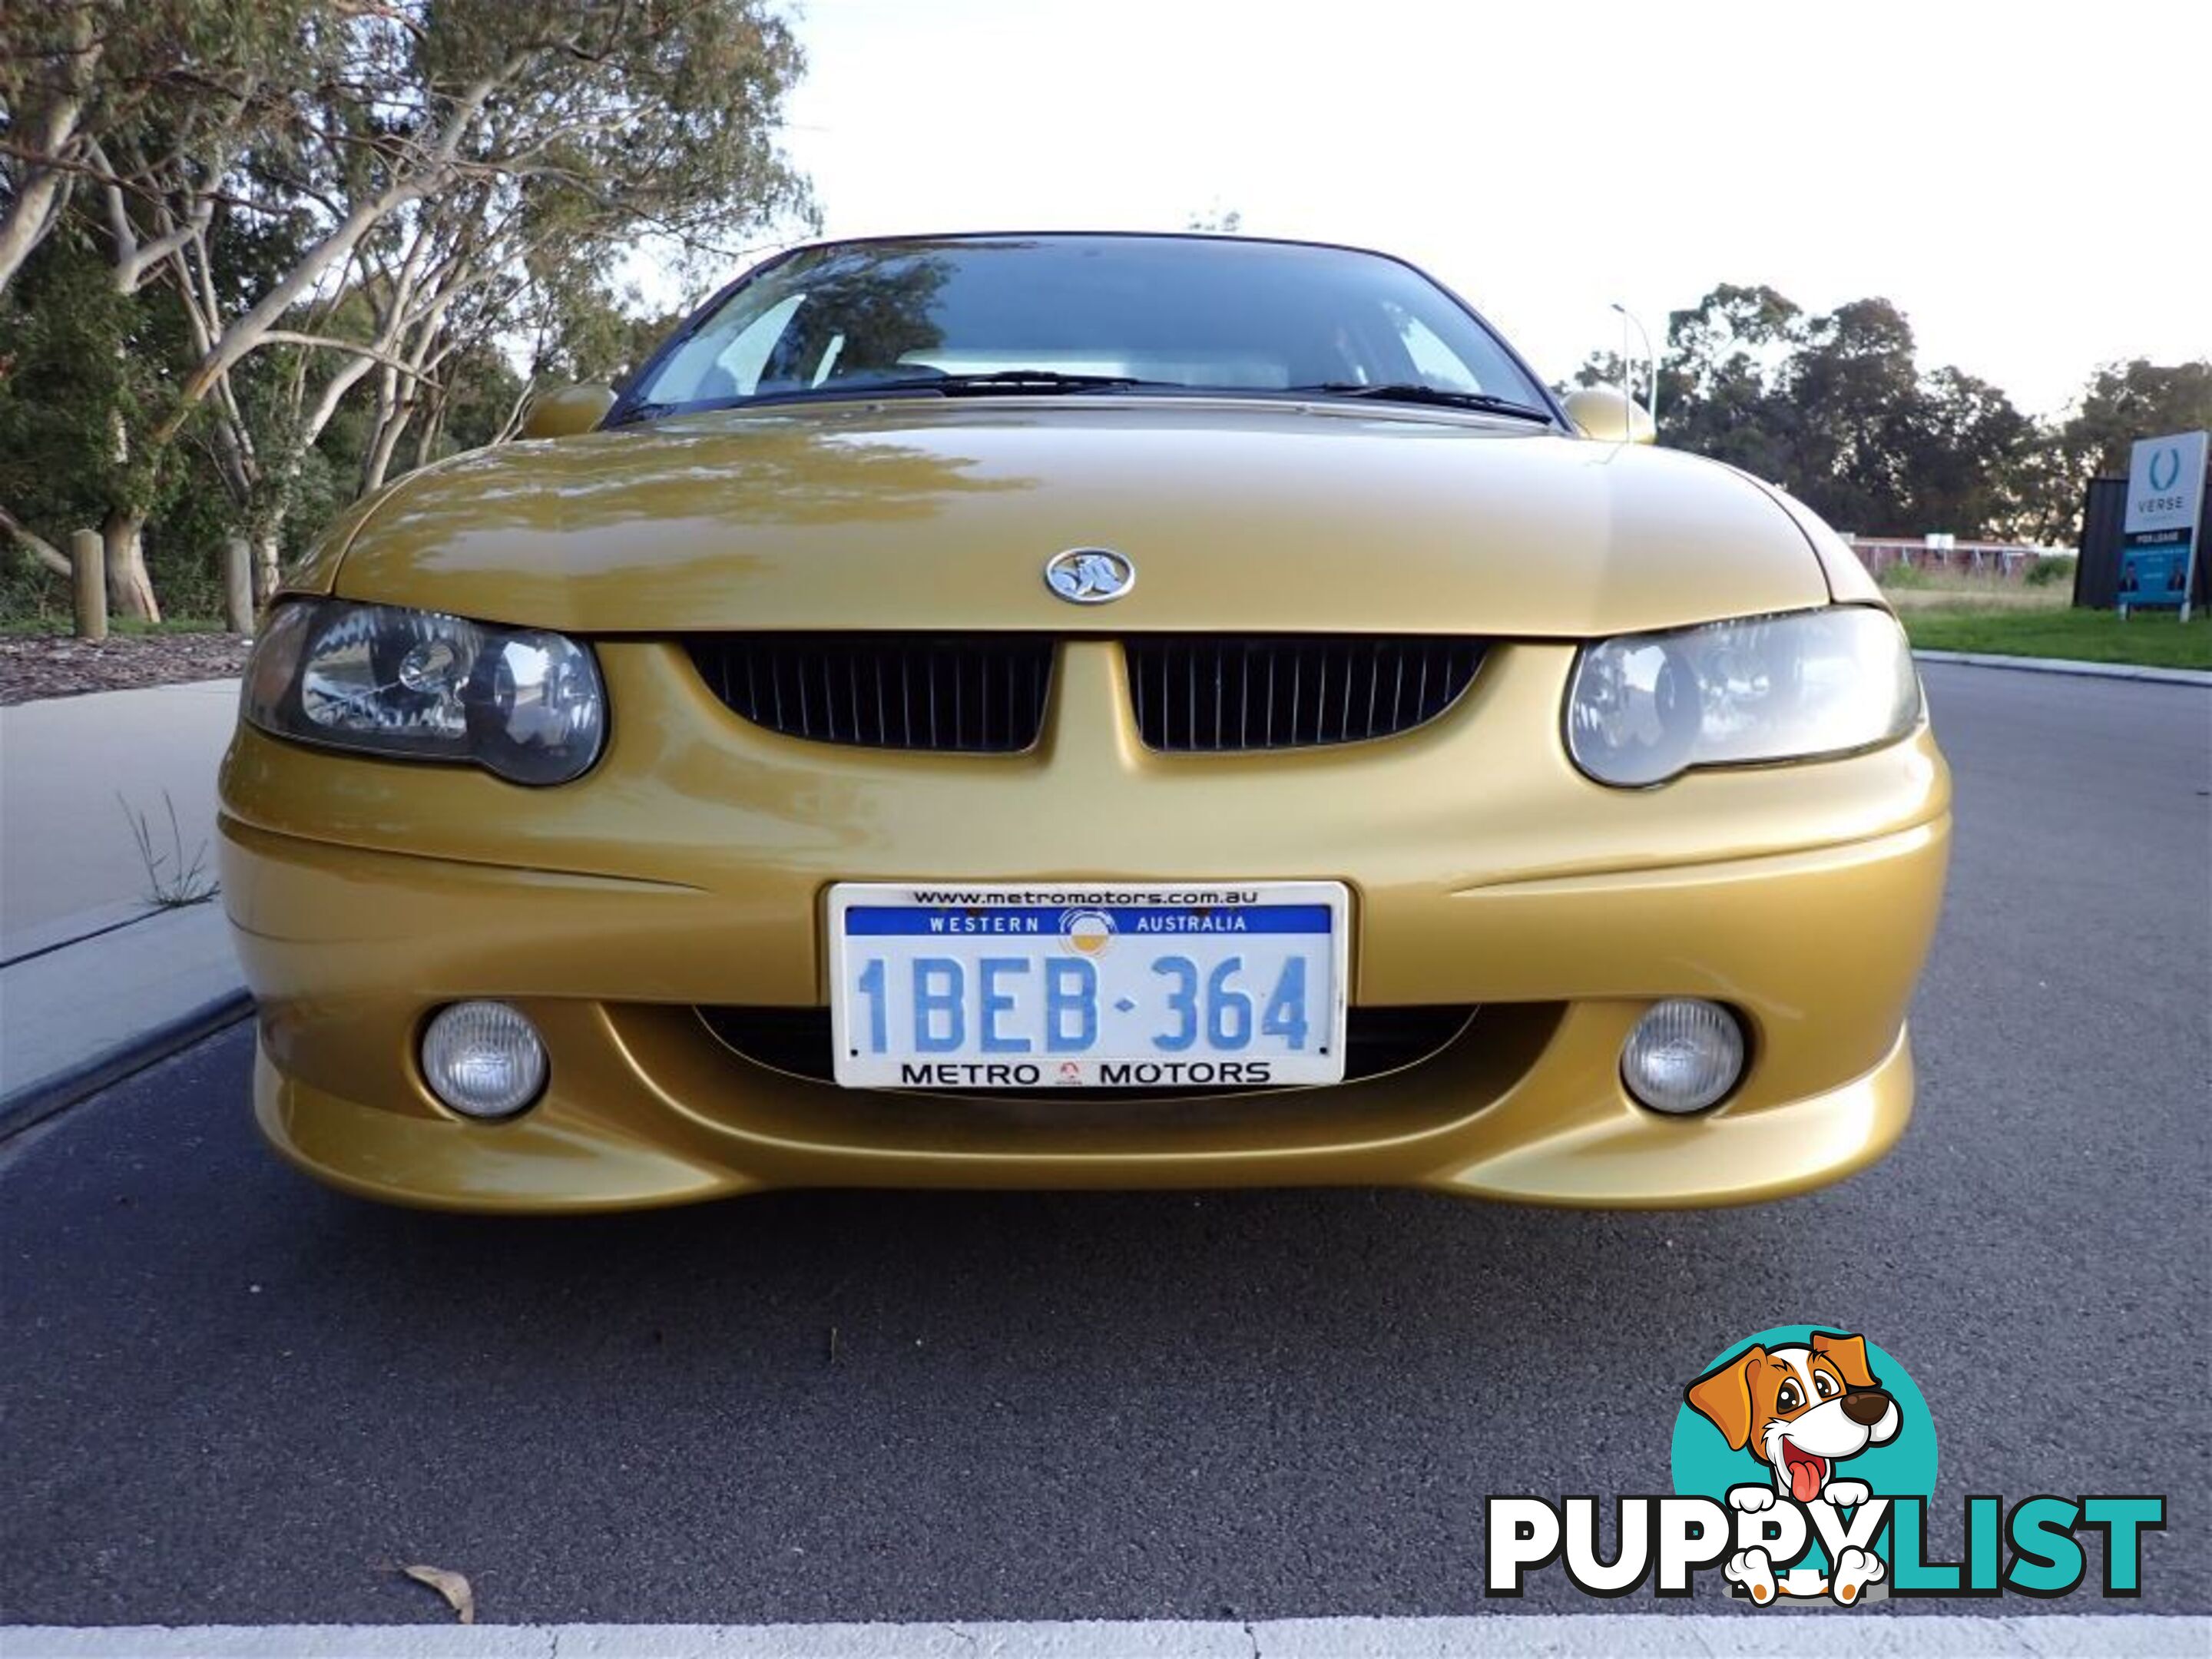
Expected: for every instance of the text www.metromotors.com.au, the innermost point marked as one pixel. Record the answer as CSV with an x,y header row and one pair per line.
x,y
1094,898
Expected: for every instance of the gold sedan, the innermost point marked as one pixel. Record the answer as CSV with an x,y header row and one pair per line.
x,y
1081,711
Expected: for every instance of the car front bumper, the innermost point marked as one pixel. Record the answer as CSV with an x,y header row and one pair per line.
x,y
687,871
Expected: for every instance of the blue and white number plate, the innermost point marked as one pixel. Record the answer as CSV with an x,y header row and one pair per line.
x,y
1088,986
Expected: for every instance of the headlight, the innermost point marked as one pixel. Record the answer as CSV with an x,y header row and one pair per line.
x,y
1646,707
518,701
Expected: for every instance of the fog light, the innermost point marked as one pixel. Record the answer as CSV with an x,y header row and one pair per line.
x,y
482,1059
1683,1056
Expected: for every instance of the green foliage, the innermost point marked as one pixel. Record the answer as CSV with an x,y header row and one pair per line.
x,y
79,378
1903,576
485,391
86,370
1837,409
2124,401
393,219
598,338
32,600
2056,571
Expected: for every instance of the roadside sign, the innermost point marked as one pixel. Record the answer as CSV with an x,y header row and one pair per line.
x,y
2164,524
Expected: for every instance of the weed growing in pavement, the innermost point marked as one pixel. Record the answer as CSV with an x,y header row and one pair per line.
x,y
172,882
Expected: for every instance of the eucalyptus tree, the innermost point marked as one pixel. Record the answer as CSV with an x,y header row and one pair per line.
x,y
406,175
136,114
565,134
1835,408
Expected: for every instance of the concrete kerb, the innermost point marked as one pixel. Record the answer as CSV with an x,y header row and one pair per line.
x,y
48,1095
2102,670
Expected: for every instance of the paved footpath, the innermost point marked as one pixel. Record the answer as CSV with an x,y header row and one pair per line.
x,y
89,964
69,765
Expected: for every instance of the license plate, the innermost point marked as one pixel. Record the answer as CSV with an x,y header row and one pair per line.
x,y
1238,985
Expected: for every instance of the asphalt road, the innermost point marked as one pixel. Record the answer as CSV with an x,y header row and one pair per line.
x,y
231,1396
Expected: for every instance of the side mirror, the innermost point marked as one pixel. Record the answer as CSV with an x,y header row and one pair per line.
x,y
565,413
1605,414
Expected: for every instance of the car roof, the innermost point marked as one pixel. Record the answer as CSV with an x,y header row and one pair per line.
x,y
895,238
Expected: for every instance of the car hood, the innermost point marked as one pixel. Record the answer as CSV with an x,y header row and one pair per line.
x,y
927,515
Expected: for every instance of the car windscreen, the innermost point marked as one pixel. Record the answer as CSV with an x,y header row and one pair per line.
x,y
1172,313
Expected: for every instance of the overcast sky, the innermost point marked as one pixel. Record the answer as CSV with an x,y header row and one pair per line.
x,y
2028,182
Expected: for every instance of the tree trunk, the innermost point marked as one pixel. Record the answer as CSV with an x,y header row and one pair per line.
x,y
426,439
378,462
238,607
268,566
29,216
40,552
129,589
51,133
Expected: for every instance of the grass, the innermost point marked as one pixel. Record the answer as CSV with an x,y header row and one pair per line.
x,y
1957,611
1992,598
37,626
175,878
1909,588
2152,639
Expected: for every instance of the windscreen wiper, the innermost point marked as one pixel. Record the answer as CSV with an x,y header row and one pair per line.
x,y
1008,380
860,388
1414,392
637,412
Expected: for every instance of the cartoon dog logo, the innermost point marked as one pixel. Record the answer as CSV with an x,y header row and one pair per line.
x,y
1801,1411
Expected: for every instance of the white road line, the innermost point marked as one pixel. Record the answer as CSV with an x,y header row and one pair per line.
x,y
1583,1636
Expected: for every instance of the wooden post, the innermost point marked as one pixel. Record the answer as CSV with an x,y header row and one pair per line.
x,y
89,576
238,585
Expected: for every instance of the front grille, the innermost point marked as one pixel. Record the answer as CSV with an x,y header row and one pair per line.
x,y
1198,695
985,694
960,694
797,1041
